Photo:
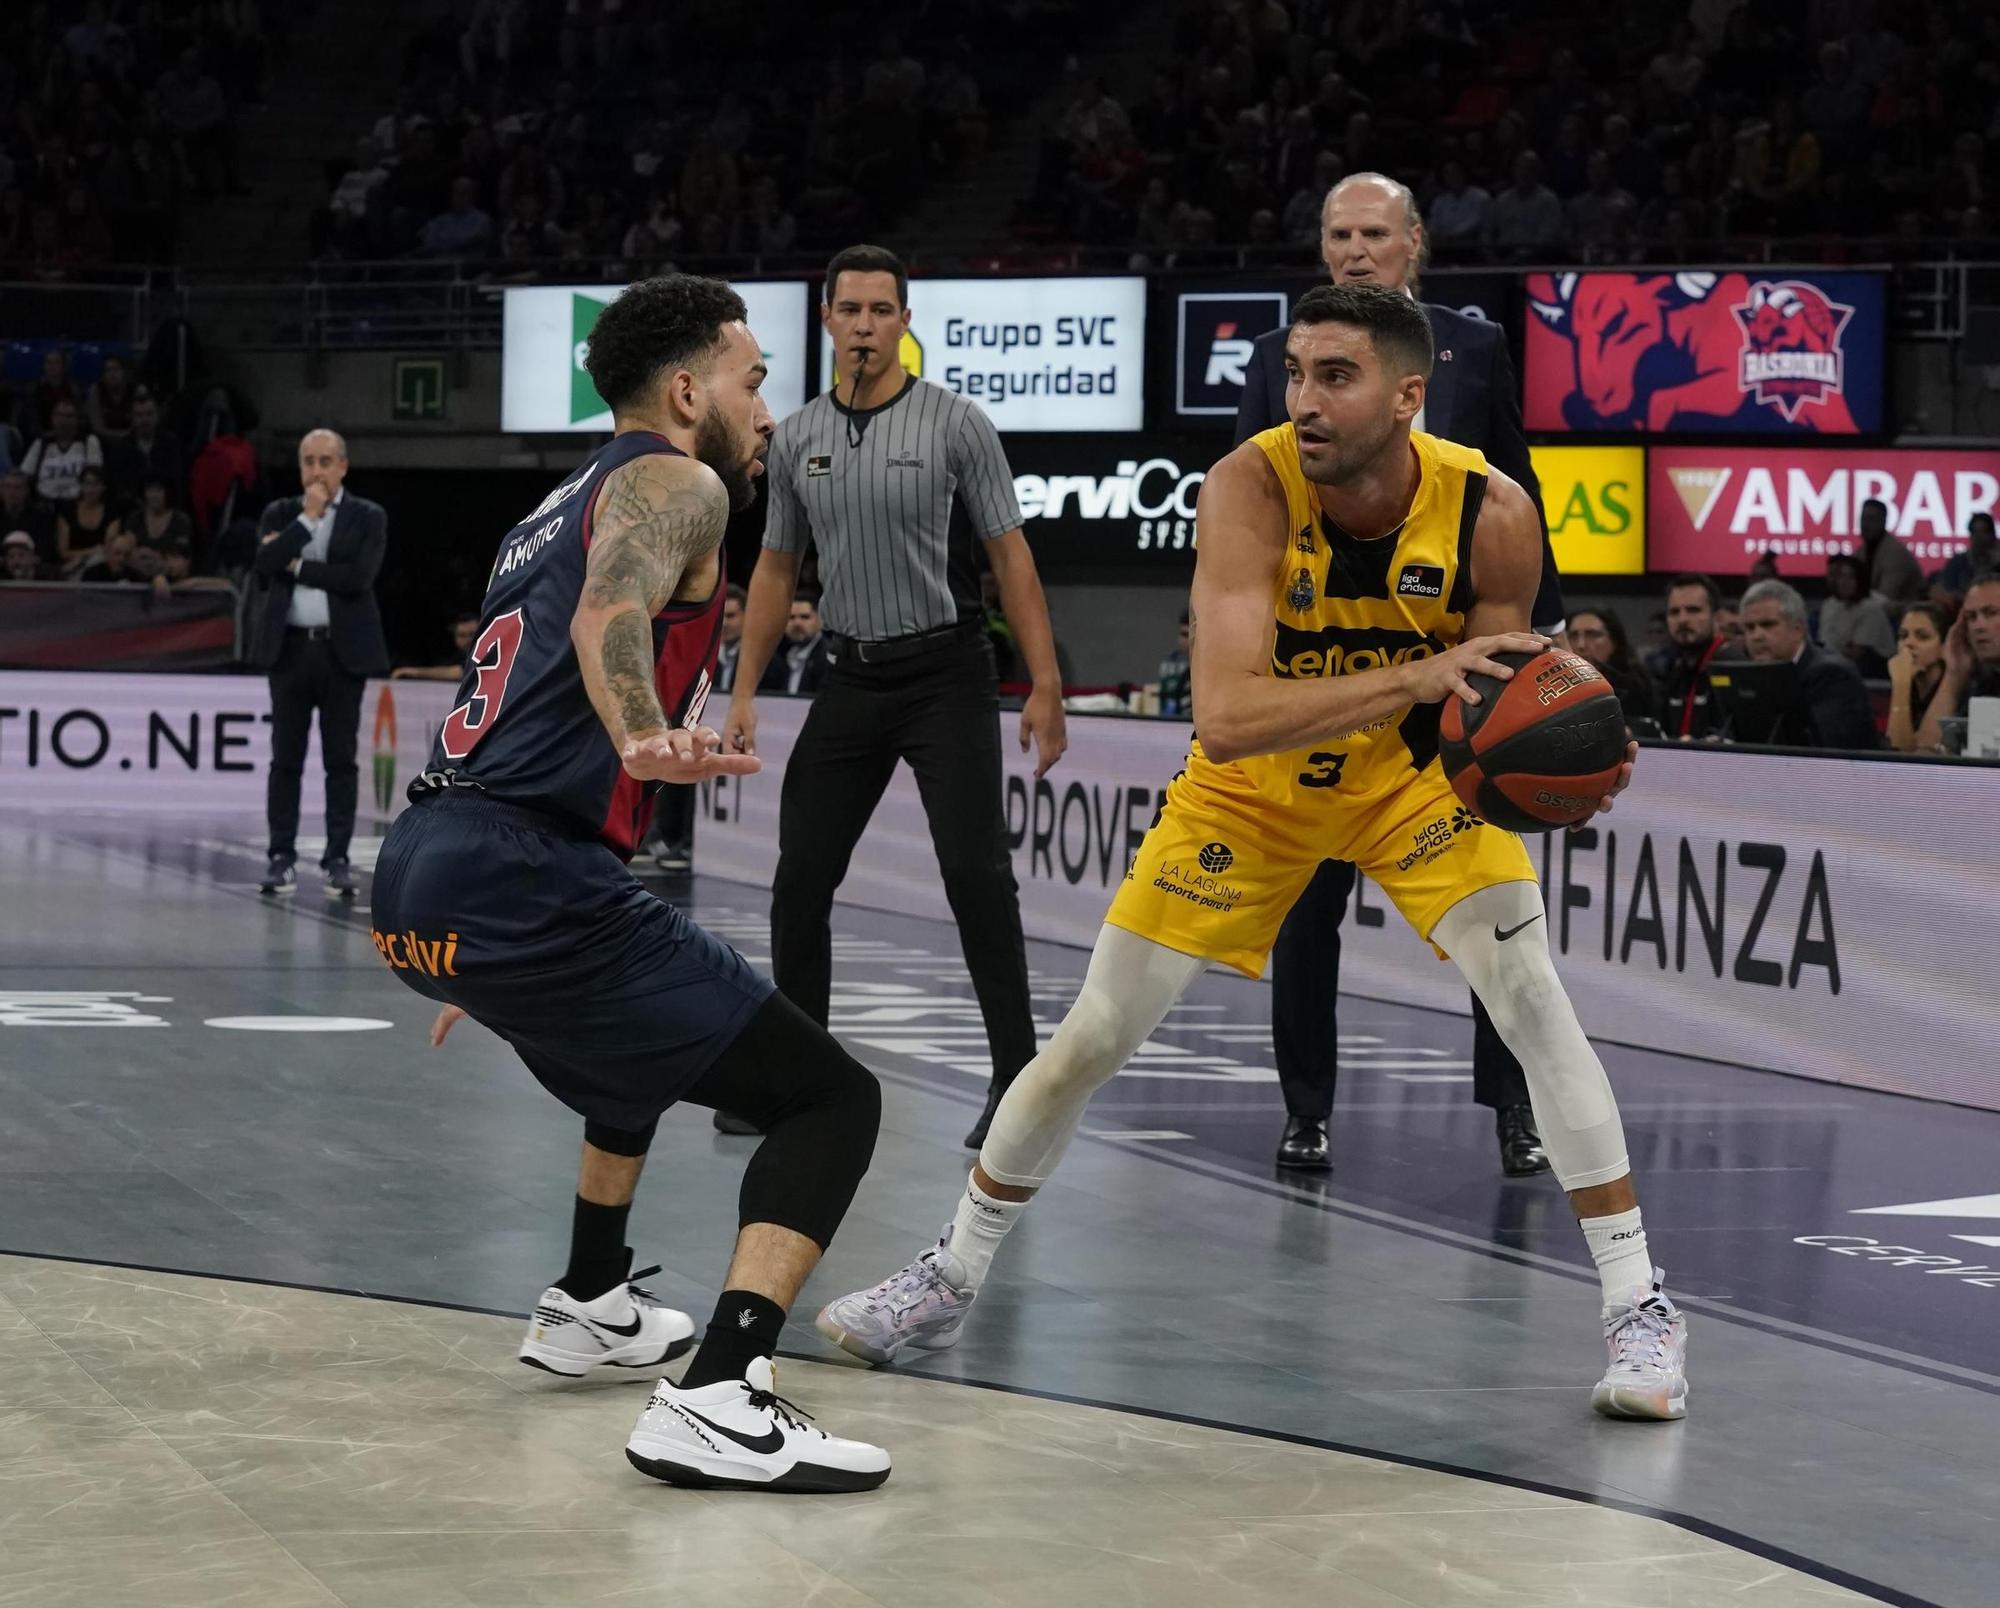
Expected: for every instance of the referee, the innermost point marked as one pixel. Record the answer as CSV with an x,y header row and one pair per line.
x,y
898,483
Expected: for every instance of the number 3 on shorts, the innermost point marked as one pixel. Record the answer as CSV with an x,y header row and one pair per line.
x,y
1325,772
492,663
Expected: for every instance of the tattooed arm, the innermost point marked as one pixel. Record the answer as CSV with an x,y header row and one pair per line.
x,y
656,518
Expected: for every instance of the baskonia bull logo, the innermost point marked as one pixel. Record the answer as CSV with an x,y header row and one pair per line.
x,y
1660,352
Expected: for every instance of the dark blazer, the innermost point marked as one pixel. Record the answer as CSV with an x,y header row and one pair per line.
x,y
779,671
1473,399
1832,710
354,552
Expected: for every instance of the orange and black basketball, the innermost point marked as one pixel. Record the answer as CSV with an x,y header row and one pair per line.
x,y
1539,751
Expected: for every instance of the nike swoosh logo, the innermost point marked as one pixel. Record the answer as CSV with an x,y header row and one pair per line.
x,y
770,1441
628,1330
1502,937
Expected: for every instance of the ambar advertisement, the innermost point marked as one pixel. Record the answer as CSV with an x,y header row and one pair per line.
x,y
1714,509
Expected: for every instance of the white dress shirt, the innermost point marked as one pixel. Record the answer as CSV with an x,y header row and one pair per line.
x,y
309,602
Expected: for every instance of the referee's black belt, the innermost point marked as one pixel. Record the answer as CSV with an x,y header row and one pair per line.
x,y
312,633
887,650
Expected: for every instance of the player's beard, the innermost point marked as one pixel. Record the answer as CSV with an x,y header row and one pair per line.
x,y
1351,456
716,445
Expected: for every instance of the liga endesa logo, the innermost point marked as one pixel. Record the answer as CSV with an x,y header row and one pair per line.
x,y
1690,350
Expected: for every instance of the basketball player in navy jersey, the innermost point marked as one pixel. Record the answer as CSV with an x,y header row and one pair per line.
x,y
502,893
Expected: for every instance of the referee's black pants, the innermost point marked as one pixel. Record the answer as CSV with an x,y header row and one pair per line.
x,y
307,677
1305,1031
940,712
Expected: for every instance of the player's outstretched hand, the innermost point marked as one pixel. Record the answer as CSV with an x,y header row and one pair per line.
x,y
447,1019
1434,679
1624,781
686,754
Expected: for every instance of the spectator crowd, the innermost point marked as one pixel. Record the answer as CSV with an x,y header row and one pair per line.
x,y
1546,130
599,133
1885,660
97,485
111,116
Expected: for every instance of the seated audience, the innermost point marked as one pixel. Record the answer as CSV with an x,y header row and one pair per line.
x,y
1175,675
464,629
156,521
1916,673
1894,575
114,563
82,527
800,662
57,460
1971,660
18,558
19,511
730,649
1599,635
1729,626
1681,704
1851,623
1830,709
1981,557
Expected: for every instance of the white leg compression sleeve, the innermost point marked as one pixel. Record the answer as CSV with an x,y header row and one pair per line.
x,y
1131,985
1516,980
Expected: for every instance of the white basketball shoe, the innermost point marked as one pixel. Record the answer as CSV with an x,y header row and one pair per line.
x,y
740,1434
920,1306
625,1327
1647,1337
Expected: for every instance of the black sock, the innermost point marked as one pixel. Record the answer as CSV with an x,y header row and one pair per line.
x,y
598,1256
744,1328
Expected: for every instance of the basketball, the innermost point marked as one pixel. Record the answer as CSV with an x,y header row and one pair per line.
x,y
1539,751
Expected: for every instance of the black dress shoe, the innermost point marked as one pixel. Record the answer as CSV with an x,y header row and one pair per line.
x,y
1304,1145
1521,1152
735,1126
994,1092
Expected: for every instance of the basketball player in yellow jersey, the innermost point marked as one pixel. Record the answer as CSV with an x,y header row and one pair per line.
x,y
1350,575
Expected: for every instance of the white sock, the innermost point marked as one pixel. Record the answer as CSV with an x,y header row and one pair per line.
x,y
977,1229
1618,1247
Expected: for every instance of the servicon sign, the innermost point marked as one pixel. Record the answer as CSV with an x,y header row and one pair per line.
x,y
546,335
1595,502
1716,508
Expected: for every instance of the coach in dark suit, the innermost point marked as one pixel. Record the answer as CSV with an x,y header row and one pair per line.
x,y
1371,232
319,635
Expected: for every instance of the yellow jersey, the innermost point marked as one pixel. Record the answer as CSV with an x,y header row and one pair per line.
x,y
1342,605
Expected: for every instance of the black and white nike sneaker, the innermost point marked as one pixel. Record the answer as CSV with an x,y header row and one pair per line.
x,y
740,1434
625,1327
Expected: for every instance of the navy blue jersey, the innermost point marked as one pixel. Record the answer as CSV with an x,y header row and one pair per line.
x,y
524,730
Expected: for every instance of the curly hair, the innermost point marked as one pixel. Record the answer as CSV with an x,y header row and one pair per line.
x,y
669,321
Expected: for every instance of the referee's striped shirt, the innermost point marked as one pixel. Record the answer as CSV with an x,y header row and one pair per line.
x,y
892,517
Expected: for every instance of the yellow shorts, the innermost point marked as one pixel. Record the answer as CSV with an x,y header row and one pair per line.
x,y
1223,867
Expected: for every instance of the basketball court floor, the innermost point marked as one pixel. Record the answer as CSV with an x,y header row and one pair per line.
x,y
265,1256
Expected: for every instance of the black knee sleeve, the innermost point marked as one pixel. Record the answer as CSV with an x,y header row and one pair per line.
x,y
819,1109
619,1141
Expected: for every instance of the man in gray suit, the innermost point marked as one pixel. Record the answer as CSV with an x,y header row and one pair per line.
x,y
319,635
1372,233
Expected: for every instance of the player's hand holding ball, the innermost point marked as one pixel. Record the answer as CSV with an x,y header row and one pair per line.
x,y
1543,744
685,754
1450,671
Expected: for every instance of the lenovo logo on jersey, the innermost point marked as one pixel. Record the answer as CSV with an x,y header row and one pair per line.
x,y
1218,332
1339,650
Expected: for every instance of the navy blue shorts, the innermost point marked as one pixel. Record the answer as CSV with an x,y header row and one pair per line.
x,y
616,1001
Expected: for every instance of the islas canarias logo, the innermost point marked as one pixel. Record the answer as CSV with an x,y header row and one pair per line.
x,y
584,402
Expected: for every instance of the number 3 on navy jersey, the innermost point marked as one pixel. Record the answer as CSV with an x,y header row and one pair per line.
x,y
492,663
